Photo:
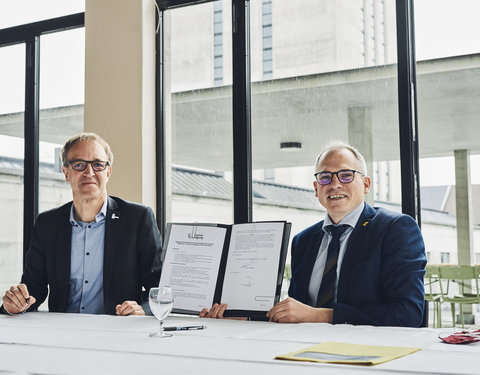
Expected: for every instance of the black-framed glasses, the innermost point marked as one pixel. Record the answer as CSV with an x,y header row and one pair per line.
x,y
81,165
345,176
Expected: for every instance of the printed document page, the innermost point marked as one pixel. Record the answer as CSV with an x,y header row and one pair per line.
x,y
252,266
191,264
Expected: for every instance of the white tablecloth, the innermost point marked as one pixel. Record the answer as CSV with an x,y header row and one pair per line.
x,y
53,343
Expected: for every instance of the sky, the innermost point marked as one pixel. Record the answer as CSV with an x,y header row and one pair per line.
x,y
443,28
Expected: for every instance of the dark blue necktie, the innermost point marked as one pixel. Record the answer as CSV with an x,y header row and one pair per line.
x,y
327,287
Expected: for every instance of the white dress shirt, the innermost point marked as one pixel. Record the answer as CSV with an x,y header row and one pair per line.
x,y
317,273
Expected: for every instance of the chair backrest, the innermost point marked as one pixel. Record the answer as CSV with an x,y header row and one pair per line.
x,y
431,271
454,272
431,281
460,274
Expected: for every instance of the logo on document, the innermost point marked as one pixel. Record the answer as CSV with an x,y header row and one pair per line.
x,y
194,235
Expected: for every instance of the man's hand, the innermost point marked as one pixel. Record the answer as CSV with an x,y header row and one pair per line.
x,y
291,311
17,299
129,308
215,312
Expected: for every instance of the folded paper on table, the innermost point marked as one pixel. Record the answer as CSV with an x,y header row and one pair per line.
x,y
339,352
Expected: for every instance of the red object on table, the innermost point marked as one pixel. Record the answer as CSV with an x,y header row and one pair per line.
x,y
461,337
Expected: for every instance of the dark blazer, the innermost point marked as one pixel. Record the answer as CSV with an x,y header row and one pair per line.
x,y
131,255
381,277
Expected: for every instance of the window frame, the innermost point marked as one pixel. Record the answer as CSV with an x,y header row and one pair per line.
x,y
241,121
30,34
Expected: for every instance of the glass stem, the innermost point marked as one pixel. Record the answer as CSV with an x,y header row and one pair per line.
x,y
161,326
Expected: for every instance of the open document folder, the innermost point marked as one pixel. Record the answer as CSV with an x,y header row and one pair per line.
x,y
339,352
240,265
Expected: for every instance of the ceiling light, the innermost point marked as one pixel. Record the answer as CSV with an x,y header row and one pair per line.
x,y
290,146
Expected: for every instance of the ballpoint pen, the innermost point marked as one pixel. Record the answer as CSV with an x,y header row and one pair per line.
x,y
184,328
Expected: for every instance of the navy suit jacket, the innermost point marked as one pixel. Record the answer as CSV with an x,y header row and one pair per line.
x,y
381,277
132,254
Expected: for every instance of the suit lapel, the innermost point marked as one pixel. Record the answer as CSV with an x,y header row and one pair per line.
x,y
356,242
63,255
310,258
111,230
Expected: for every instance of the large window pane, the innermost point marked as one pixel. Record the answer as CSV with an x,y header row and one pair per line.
x,y
200,108
446,28
448,78
448,110
12,101
333,77
62,66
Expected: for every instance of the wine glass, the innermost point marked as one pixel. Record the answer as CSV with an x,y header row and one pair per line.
x,y
161,303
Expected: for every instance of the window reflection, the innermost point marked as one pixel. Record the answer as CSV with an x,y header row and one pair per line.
x,y
334,78
199,71
448,102
62,67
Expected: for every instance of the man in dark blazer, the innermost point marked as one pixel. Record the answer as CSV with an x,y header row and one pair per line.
x,y
94,254
380,264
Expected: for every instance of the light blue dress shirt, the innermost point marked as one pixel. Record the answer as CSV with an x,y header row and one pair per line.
x,y
86,267
317,272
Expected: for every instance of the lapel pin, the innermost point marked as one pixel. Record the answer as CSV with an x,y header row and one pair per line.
x,y
365,223
115,216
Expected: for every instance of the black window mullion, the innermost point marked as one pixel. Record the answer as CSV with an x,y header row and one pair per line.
x,y
160,126
23,33
31,134
242,139
407,109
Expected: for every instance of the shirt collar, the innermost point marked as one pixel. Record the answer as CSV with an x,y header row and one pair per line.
x,y
98,217
350,219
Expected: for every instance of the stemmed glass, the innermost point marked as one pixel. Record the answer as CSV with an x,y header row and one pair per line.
x,y
161,303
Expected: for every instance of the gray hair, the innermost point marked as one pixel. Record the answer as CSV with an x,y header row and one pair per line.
x,y
338,145
89,137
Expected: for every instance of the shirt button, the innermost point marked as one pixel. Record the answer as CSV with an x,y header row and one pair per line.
x,y
83,307
89,226
86,281
88,253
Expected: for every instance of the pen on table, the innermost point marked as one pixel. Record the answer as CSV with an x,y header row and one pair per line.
x,y
184,328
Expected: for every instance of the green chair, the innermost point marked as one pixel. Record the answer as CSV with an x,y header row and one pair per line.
x,y
432,292
458,284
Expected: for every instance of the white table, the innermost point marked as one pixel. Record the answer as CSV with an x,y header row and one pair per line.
x,y
50,343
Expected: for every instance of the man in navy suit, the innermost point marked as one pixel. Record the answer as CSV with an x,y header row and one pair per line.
x,y
93,254
381,259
